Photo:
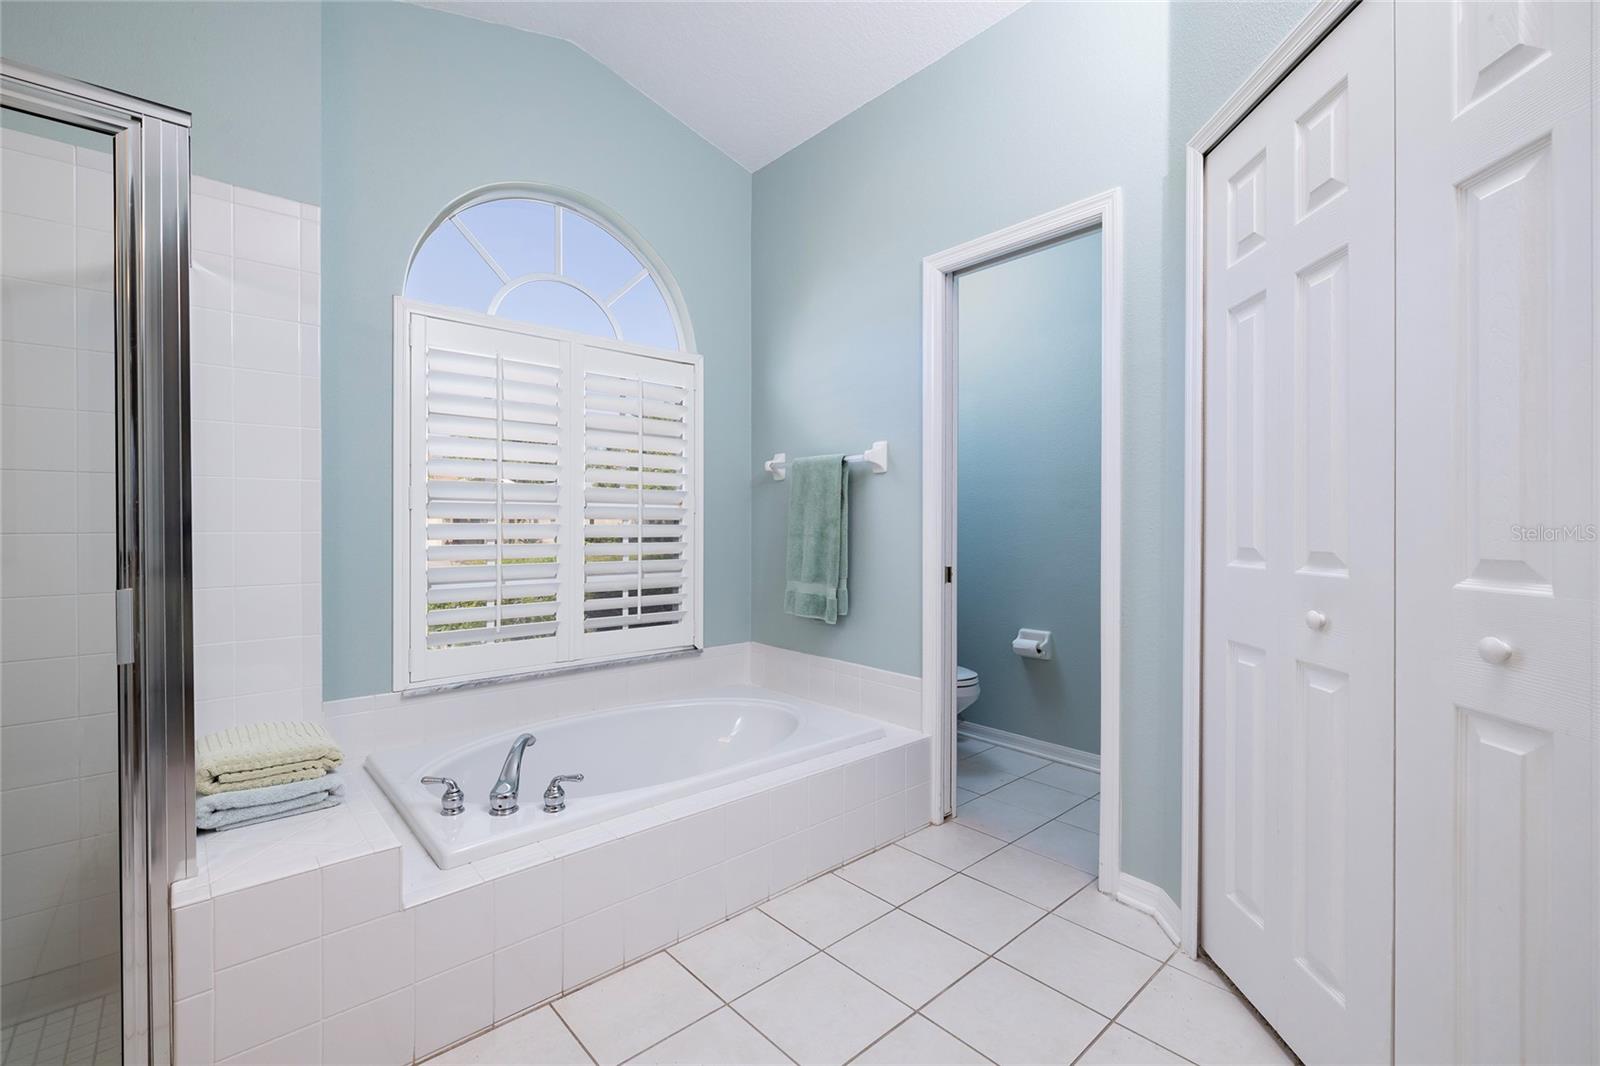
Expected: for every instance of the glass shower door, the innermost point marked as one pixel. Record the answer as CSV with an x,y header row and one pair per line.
x,y
61,937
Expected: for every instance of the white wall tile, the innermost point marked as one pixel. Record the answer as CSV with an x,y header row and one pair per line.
x,y
38,690
36,186
527,973
42,627
192,963
266,236
266,344
191,1023
37,250
210,223
266,290
38,314
649,921
591,945
267,918
527,903
454,929
366,961
38,564
302,1045
453,1005
596,878
380,1033
267,998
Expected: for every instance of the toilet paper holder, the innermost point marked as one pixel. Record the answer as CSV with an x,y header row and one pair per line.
x,y
1034,644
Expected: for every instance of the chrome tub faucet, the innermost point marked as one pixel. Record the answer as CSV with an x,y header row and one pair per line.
x,y
555,797
503,796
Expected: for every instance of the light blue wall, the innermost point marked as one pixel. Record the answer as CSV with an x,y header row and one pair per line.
x,y
1029,489
1055,103
249,73
418,108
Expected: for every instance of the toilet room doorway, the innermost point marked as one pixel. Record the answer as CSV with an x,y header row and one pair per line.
x,y
1022,386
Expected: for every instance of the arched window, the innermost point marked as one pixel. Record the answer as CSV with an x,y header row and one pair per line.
x,y
547,263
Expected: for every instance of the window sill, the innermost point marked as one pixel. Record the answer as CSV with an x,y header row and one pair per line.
x,y
564,669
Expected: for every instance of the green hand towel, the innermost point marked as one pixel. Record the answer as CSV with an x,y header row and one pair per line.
x,y
263,753
817,559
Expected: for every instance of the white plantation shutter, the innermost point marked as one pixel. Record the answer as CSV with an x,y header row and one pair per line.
x,y
550,512
638,503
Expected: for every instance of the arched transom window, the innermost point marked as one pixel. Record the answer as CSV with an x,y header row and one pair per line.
x,y
544,263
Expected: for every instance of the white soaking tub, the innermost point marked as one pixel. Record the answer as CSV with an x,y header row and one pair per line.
x,y
631,758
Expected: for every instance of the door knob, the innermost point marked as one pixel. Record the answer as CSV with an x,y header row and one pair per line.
x,y
1494,650
1316,620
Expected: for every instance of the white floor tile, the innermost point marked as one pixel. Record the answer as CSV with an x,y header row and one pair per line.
x,y
628,1011
1097,972
1040,798
735,956
1071,778
1036,878
969,746
1123,1047
1203,968
1201,1022
825,910
952,845
821,1012
894,874
979,914
977,777
909,959
1095,910
537,1039
917,1042
1010,1017
964,795
1066,843
998,819
1085,815
723,1039
1012,762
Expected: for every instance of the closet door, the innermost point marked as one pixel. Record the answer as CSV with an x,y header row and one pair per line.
x,y
1495,801
1298,675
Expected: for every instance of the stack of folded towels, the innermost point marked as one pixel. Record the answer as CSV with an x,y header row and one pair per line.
x,y
255,773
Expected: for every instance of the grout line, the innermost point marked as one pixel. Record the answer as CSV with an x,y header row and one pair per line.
x,y
570,1032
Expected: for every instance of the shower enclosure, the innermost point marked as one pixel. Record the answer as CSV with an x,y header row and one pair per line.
x,y
96,752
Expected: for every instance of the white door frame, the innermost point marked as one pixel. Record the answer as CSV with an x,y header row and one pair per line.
x,y
1103,211
1301,40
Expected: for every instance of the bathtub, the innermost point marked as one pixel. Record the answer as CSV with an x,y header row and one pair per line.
x,y
631,758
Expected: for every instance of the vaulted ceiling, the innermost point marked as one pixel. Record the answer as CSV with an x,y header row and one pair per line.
x,y
753,78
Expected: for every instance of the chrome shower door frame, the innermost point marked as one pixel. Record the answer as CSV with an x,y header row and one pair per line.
x,y
155,713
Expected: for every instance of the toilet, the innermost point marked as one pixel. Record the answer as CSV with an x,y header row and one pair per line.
x,y
966,689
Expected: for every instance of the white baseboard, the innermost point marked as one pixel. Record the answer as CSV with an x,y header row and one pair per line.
x,y
1141,895
1085,760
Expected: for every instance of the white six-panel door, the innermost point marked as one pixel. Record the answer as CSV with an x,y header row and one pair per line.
x,y
1298,639
1495,851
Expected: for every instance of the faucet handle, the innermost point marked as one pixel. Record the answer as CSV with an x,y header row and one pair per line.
x,y
555,797
454,801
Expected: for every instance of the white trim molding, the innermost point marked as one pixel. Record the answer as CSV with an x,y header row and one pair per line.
x,y
1301,40
1141,895
1103,212
1084,760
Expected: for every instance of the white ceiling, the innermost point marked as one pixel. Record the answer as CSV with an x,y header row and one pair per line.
x,y
753,78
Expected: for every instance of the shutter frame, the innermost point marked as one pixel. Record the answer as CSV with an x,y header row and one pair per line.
x,y
487,501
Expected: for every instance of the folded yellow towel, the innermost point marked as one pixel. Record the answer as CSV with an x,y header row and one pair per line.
x,y
266,753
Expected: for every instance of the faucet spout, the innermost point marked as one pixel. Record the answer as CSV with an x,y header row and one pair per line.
x,y
503,797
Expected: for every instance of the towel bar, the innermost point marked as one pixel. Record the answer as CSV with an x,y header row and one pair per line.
x,y
876,457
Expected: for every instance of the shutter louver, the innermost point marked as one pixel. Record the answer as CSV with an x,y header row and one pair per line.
x,y
491,441
552,515
638,564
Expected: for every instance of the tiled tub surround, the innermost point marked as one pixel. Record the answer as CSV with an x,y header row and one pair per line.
x,y
368,953
256,457
58,687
